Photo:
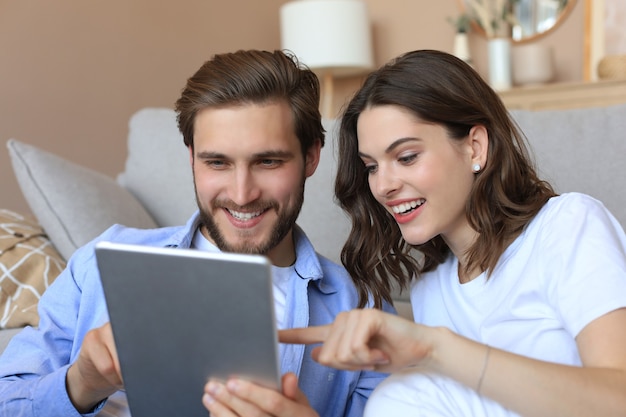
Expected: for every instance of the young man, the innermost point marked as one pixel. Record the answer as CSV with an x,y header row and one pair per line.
x,y
251,122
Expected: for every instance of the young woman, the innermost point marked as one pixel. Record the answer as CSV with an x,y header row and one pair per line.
x,y
519,294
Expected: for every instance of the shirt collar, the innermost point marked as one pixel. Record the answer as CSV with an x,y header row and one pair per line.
x,y
307,266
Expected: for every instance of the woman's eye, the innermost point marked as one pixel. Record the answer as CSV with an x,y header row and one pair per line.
x,y
370,169
407,159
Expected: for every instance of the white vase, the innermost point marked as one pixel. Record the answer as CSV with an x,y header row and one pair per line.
x,y
532,64
500,63
461,47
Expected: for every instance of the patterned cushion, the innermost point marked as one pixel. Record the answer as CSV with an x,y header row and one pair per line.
x,y
28,265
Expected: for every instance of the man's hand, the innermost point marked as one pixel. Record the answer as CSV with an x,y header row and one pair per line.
x,y
242,398
96,373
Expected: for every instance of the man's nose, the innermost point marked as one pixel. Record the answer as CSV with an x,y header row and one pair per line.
x,y
245,188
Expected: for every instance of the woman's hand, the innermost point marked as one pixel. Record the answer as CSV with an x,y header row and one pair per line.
x,y
366,339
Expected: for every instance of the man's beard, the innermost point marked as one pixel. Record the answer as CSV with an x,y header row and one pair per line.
x,y
284,223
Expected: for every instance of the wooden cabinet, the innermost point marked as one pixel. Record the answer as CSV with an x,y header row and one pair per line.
x,y
561,96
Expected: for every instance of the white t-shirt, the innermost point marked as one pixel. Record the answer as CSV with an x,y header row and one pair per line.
x,y
566,269
280,278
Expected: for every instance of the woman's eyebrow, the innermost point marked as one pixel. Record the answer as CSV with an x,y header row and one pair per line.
x,y
393,145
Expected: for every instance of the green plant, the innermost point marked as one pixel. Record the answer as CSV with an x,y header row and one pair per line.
x,y
461,23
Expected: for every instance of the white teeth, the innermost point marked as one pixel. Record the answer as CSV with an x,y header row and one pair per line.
x,y
404,207
243,216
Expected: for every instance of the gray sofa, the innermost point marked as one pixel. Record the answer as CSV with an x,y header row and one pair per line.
x,y
577,150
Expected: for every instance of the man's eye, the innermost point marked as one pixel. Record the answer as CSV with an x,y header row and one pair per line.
x,y
270,163
215,163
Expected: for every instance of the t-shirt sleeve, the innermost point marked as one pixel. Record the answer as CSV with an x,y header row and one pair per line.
x,y
586,248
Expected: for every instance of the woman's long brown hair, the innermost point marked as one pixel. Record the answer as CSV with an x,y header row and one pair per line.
x,y
438,88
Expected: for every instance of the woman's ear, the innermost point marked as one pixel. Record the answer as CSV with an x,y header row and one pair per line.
x,y
479,145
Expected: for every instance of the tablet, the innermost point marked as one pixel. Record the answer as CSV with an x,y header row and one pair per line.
x,y
182,316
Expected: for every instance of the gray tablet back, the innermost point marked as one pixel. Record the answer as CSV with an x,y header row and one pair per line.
x,y
182,316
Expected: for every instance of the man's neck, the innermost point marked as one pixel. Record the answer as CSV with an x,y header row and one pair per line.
x,y
281,255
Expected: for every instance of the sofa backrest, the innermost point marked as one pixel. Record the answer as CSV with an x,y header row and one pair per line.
x,y
158,170
158,174
576,150
581,150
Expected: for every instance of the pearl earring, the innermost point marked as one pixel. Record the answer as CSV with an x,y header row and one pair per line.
x,y
476,168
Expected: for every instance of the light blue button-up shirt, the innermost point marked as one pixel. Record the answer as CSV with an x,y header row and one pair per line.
x,y
34,364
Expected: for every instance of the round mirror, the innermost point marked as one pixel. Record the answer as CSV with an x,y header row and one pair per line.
x,y
532,18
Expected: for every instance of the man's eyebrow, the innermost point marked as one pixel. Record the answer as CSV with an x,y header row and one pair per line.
x,y
393,145
209,155
259,155
273,154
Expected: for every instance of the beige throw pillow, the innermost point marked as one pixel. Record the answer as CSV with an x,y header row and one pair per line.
x,y
28,265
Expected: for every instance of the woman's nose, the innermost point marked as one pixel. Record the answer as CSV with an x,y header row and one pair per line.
x,y
386,182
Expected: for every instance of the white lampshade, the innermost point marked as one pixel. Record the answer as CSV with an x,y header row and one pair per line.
x,y
328,35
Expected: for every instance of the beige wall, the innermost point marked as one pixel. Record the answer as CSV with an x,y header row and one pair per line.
x,y
72,72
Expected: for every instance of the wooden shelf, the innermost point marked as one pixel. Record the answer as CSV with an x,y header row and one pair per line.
x,y
560,96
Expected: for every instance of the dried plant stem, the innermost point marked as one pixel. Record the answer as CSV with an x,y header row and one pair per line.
x,y
492,15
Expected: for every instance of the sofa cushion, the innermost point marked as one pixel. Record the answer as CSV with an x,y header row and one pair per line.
x,y
6,336
72,203
158,171
581,150
324,222
28,265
